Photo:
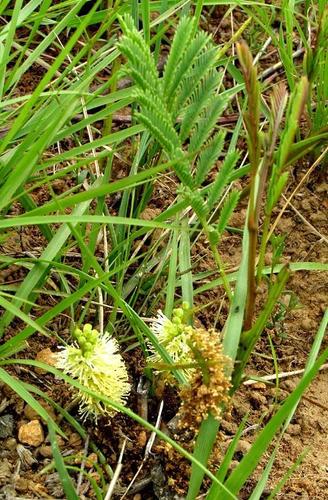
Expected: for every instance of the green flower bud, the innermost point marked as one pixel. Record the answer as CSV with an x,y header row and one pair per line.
x,y
88,347
87,328
93,336
178,313
81,340
77,332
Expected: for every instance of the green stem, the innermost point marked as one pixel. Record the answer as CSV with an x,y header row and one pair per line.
x,y
220,266
263,246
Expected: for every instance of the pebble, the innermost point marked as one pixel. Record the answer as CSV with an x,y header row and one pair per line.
x,y
306,205
261,386
45,451
31,433
60,441
21,484
137,496
243,446
233,465
308,324
6,426
285,225
294,429
5,469
229,427
45,356
91,460
322,187
318,217
54,485
142,438
10,444
257,400
75,439
25,455
31,414
290,384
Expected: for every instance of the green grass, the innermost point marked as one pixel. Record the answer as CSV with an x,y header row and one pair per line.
x,y
65,129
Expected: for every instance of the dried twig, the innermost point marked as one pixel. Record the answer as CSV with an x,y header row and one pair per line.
x,y
85,451
268,378
279,64
306,222
299,185
116,475
147,449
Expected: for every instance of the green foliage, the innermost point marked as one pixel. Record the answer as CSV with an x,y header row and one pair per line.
x,y
100,260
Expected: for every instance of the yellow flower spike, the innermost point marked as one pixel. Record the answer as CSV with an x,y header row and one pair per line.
x,y
98,366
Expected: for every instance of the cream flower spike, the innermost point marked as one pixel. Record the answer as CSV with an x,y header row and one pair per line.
x,y
95,363
175,336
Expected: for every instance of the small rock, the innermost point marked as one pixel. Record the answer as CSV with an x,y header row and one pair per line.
x,y
54,486
10,444
25,456
5,470
258,400
294,429
285,225
243,446
6,426
318,217
233,465
45,356
91,460
268,258
260,386
142,438
31,414
31,433
308,324
149,213
290,384
229,427
137,496
75,439
22,484
45,451
60,441
322,187
306,205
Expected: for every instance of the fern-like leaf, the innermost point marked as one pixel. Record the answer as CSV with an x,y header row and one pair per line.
x,y
180,42
191,79
141,65
222,179
154,110
199,101
208,157
197,202
193,50
207,121
182,169
226,212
